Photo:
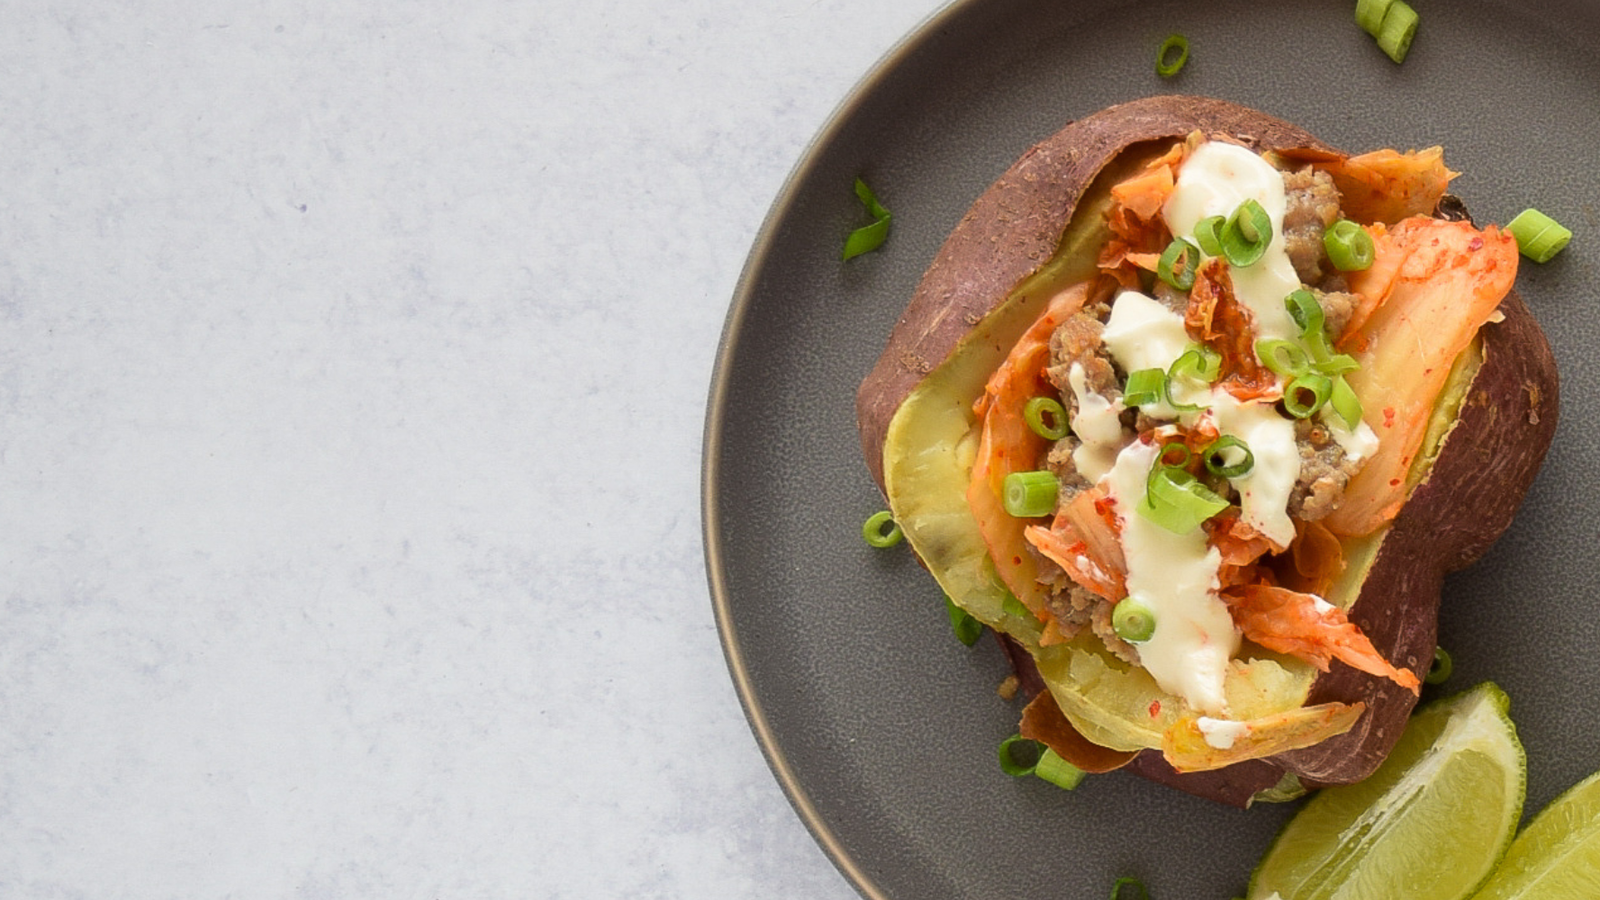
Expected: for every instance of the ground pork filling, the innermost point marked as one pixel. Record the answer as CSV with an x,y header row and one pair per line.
x,y
1312,205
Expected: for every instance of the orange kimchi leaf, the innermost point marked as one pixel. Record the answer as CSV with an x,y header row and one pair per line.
x,y
1074,558
1304,626
1216,317
1006,444
1450,283
1387,186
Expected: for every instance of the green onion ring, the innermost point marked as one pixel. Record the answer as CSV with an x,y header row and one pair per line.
x,y
1199,362
1442,666
1247,234
1320,387
1052,768
1286,358
1145,386
1116,889
1336,364
1046,417
1208,235
1349,246
1177,501
1538,236
1305,311
1029,495
1171,55
1008,760
881,530
1133,620
1045,763
1178,264
1216,462
1166,458
1369,14
1398,28
1345,403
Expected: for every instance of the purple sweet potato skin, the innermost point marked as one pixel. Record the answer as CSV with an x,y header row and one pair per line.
x,y
1487,462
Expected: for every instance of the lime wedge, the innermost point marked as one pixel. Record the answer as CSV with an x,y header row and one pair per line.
x,y
1432,821
1558,855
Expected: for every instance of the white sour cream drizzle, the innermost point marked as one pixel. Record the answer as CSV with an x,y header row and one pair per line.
x,y
1097,426
1221,733
1264,490
1141,334
1176,575
1213,181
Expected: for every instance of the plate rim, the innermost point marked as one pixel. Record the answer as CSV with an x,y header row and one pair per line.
x,y
712,440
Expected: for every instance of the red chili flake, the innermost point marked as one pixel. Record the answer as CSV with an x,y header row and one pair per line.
x,y
1388,417
1155,708
1394,482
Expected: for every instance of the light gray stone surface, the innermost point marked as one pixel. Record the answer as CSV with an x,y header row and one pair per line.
x,y
353,366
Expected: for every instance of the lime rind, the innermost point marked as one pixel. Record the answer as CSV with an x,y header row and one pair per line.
x,y
1432,821
1558,855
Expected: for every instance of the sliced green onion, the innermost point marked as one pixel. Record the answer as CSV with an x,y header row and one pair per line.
x,y
1218,453
1116,889
1029,495
1057,771
1246,235
1345,403
1199,362
1178,263
1305,311
1538,236
1286,358
1398,28
1145,386
1306,394
1171,56
1208,234
1037,760
1442,666
1174,455
1349,246
1177,501
1010,764
1336,364
1046,417
881,530
966,627
868,237
1133,620
1369,14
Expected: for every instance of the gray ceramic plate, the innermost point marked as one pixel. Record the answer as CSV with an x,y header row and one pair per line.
x,y
879,725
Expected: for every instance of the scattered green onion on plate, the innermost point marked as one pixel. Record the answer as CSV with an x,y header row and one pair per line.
x,y
868,238
1539,237
881,530
1393,23
1171,56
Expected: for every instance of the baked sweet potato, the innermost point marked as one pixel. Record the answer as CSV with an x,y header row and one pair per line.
x,y
1333,614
